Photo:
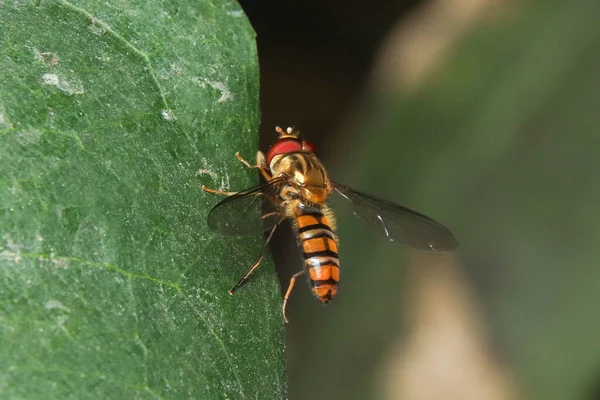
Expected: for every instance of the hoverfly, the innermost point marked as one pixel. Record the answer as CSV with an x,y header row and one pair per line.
x,y
297,187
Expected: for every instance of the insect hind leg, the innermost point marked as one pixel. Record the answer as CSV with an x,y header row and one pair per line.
x,y
289,290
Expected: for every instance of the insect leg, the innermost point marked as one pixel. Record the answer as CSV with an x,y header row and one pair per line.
x,y
255,265
270,214
217,191
289,290
262,168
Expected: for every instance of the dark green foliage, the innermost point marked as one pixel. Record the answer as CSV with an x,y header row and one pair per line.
x,y
111,118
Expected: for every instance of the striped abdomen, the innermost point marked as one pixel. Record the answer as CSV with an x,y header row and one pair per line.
x,y
319,246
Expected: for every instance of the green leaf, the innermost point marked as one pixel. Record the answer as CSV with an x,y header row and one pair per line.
x,y
112,116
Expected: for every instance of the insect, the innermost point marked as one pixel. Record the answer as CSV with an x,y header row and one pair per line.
x,y
298,187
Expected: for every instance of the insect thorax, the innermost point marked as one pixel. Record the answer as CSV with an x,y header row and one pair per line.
x,y
308,178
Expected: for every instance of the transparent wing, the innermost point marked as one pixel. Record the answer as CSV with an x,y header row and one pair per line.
x,y
248,212
399,223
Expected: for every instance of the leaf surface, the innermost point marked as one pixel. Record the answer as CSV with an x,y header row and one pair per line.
x,y
112,116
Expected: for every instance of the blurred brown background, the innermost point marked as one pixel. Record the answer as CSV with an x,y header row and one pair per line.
x,y
483,115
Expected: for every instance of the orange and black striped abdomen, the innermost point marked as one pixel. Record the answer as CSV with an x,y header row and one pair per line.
x,y
319,247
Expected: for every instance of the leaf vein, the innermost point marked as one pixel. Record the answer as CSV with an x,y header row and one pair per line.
x,y
60,260
223,347
141,54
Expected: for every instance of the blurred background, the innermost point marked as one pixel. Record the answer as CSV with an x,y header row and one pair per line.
x,y
483,115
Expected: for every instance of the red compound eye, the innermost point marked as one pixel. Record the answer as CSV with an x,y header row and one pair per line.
x,y
308,146
283,146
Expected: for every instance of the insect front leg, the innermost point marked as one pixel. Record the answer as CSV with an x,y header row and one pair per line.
x,y
260,164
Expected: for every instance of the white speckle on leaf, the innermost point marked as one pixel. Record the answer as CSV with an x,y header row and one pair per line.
x,y
46,57
199,81
60,262
238,13
52,304
51,116
97,27
204,171
69,87
4,122
220,86
225,93
176,69
28,137
207,169
8,255
169,115
224,182
119,279
103,57
62,318
12,252
51,79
